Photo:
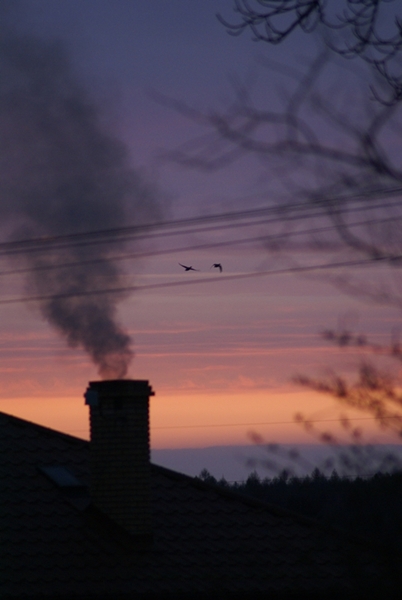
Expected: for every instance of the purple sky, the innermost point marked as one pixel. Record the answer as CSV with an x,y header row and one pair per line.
x,y
197,345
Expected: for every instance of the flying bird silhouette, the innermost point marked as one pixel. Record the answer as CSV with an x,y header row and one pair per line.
x,y
188,268
217,266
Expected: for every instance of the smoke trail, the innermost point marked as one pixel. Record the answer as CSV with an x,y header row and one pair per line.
x,y
61,172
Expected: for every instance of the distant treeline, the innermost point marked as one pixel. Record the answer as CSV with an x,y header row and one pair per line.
x,y
370,507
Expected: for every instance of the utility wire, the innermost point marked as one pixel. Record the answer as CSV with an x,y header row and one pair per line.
x,y
214,425
171,284
201,246
319,209
149,236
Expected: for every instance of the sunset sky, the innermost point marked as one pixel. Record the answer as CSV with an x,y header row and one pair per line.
x,y
219,354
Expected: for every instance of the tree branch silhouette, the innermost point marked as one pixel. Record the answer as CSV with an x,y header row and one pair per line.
x,y
334,143
363,29
317,153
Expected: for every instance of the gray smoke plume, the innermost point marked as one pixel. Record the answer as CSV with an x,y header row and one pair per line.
x,y
62,173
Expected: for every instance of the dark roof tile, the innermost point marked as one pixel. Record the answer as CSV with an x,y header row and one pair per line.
x,y
205,538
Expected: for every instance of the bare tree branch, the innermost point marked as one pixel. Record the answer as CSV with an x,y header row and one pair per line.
x,y
363,29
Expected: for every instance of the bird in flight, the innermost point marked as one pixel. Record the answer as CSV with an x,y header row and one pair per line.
x,y
217,266
188,268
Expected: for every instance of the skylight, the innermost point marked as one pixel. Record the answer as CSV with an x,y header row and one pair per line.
x,y
61,476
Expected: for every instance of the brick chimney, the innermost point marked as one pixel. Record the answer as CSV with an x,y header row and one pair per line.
x,y
120,452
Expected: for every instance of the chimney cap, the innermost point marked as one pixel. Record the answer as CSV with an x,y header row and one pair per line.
x,y
121,387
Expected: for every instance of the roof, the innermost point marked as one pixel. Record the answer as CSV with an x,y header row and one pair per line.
x,y
205,539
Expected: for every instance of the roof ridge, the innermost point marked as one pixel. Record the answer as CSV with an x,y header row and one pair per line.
x,y
47,430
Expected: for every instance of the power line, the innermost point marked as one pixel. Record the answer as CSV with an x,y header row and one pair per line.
x,y
46,246
214,425
201,246
286,213
171,284
132,231
255,424
205,245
